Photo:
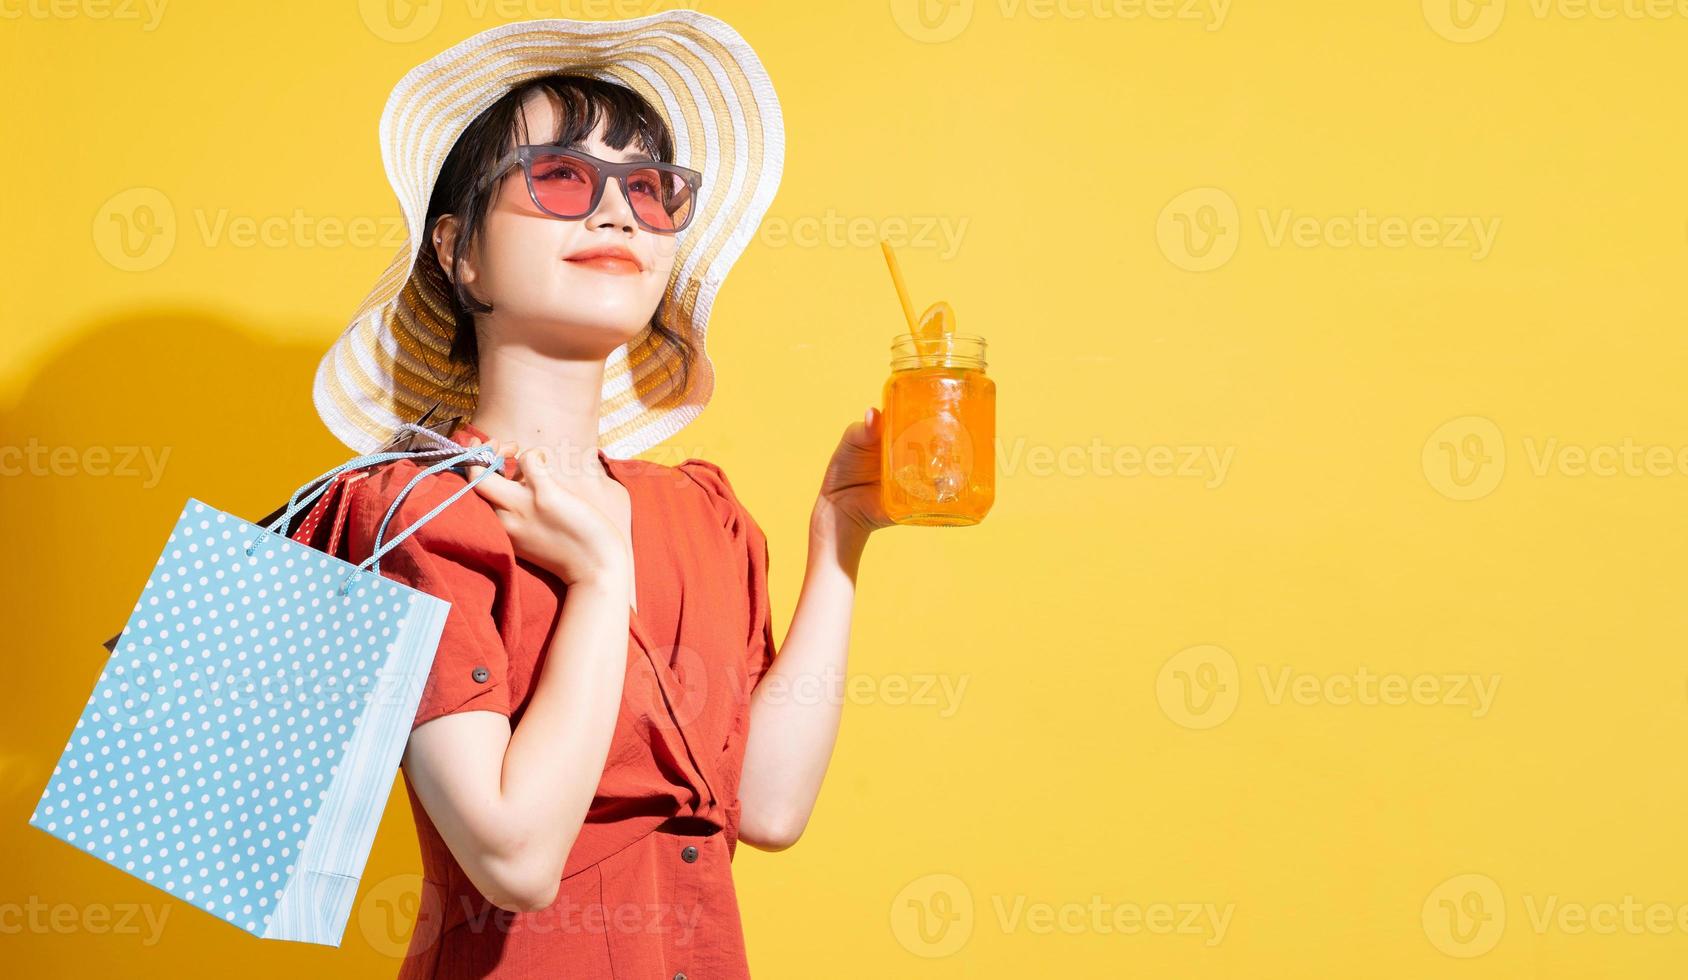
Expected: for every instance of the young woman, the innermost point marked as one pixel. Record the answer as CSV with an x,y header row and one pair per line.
x,y
605,718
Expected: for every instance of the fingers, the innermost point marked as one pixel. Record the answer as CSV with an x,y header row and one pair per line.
x,y
502,489
503,493
541,479
533,479
865,433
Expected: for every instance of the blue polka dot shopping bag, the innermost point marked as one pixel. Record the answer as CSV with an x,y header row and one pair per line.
x,y
240,744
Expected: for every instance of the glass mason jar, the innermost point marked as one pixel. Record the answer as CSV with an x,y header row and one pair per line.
x,y
937,457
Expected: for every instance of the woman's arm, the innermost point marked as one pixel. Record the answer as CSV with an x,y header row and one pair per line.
x,y
509,804
796,707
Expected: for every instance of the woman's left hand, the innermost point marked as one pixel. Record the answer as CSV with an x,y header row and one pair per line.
x,y
850,490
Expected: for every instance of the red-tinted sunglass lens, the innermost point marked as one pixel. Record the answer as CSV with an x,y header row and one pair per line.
x,y
660,198
563,185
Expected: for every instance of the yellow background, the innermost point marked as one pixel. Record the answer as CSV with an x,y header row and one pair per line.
x,y
1116,633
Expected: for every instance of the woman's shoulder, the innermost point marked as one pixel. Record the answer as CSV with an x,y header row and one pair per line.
x,y
707,481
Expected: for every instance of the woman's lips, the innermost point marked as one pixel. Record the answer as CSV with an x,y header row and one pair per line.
x,y
608,263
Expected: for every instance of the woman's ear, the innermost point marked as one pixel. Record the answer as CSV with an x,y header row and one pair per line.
x,y
445,243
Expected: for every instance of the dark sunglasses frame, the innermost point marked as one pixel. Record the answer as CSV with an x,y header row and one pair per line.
x,y
602,171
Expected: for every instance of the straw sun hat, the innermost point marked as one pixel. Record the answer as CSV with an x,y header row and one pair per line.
x,y
388,365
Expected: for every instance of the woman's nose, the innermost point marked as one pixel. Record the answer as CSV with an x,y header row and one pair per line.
x,y
613,208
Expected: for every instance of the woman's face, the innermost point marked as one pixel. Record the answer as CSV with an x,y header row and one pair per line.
x,y
521,264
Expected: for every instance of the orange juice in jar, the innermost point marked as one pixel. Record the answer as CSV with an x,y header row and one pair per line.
x,y
937,459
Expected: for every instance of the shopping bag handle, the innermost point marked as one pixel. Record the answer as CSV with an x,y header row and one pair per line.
x,y
442,447
487,456
457,455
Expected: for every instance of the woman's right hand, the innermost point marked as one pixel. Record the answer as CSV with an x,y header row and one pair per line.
x,y
552,526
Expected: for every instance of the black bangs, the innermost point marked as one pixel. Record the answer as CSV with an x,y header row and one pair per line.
x,y
581,103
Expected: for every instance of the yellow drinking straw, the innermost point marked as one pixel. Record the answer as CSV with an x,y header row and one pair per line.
x,y
902,290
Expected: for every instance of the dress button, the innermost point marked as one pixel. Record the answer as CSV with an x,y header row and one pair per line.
x,y
689,854
481,675
679,976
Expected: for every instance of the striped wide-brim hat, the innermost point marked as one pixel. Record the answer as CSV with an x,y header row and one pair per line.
x,y
391,364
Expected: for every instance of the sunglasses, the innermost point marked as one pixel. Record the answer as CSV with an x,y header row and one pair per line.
x,y
567,183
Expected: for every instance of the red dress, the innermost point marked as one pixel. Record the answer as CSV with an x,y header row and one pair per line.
x,y
648,889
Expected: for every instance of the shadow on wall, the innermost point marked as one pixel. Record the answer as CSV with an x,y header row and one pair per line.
x,y
97,458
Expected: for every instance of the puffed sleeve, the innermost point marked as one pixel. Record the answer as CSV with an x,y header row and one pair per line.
x,y
455,557
753,544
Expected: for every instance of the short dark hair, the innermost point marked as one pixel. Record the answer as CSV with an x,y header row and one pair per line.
x,y
466,186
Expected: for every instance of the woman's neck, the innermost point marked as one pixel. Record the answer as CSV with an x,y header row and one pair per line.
x,y
537,402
